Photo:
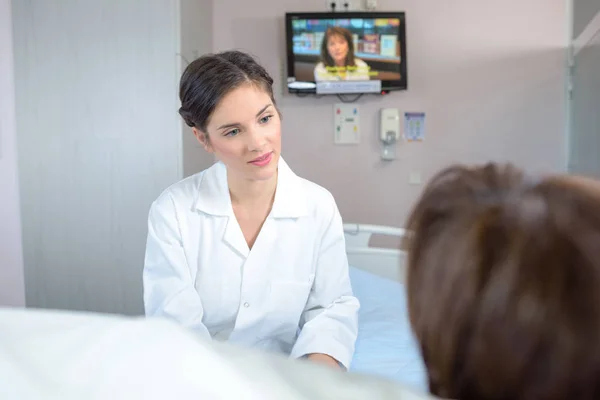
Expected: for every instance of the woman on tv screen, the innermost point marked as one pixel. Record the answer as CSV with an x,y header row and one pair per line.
x,y
337,58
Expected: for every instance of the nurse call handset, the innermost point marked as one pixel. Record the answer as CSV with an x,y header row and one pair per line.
x,y
389,132
389,126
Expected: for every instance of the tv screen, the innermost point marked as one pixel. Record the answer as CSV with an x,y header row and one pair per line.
x,y
346,52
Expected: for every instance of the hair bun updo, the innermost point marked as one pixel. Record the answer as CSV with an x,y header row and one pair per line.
x,y
209,78
187,117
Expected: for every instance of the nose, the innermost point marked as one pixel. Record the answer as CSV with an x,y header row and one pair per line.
x,y
256,140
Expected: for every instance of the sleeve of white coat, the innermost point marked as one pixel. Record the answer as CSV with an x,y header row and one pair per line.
x,y
168,286
329,324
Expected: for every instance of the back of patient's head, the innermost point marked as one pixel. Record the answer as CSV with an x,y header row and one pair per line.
x,y
504,284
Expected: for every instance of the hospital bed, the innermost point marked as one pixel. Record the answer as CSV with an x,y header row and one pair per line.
x,y
385,346
66,355
51,354
383,262
46,354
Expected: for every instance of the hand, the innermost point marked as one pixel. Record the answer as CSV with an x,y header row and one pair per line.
x,y
324,359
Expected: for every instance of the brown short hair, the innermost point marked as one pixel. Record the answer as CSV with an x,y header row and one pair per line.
x,y
504,285
347,35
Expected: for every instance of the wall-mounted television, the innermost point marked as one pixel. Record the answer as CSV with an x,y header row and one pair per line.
x,y
346,52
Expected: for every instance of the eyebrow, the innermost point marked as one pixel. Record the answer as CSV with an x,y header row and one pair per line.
x,y
234,124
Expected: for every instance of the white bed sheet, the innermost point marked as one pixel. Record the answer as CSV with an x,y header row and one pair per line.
x,y
386,346
68,355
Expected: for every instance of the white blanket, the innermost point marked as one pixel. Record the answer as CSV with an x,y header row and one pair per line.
x,y
63,355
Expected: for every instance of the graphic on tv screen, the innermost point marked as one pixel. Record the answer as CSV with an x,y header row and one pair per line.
x,y
346,50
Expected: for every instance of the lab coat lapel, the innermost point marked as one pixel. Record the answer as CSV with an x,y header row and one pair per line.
x,y
235,238
290,203
214,199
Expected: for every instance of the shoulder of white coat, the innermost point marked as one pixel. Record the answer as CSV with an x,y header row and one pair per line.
x,y
183,192
319,200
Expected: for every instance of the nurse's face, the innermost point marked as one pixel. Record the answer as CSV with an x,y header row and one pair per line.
x,y
244,132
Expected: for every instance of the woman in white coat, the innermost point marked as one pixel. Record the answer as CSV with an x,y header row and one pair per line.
x,y
246,251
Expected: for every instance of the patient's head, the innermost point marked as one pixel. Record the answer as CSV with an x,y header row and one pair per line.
x,y
504,284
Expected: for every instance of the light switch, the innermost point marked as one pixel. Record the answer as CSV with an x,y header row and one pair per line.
x,y
370,5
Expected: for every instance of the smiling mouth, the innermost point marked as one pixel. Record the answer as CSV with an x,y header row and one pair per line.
x,y
262,158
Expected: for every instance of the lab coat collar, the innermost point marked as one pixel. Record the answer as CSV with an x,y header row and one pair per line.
x,y
214,199
290,196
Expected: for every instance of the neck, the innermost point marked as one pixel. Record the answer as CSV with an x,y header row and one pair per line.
x,y
244,192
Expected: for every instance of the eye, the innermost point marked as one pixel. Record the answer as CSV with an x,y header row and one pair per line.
x,y
232,132
265,119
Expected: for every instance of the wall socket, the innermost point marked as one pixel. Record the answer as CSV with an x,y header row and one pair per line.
x,y
414,178
370,5
340,5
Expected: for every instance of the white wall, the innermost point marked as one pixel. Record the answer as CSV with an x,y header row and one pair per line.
x,y
99,139
196,39
490,76
12,291
585,99
99,134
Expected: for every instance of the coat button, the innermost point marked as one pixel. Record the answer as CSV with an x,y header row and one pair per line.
x,y
246,305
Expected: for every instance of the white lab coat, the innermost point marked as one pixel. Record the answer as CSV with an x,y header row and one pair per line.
x,y
200,272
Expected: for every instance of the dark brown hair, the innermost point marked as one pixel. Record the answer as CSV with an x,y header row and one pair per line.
x,y
504,285
209,78
347,35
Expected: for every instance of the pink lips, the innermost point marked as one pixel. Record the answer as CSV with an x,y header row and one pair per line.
x,y
262,160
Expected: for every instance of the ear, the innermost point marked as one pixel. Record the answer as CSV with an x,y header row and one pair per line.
x,y
203,139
